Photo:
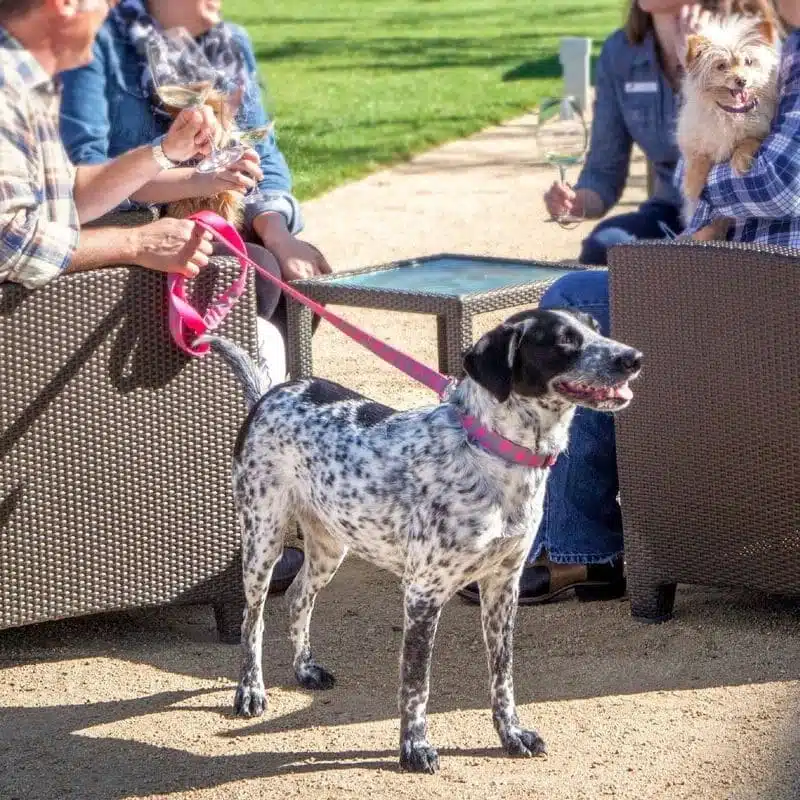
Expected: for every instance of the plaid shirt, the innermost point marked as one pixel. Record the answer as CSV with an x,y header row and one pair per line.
x,y
765,202
38,219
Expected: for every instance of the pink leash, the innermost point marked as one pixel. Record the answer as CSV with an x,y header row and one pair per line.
x,y
186,325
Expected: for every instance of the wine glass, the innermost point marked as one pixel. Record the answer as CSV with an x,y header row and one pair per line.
x,y
562,138
184,78
250,137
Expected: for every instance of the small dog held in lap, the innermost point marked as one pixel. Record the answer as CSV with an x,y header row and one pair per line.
x,y
729,100
412,493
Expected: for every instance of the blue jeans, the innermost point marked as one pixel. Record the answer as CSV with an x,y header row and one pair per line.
x,y
623,228
582,522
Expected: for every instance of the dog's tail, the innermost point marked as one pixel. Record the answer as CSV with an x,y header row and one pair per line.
x,y
254,378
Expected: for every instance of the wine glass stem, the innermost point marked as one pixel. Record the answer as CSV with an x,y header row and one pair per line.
x,y
562,171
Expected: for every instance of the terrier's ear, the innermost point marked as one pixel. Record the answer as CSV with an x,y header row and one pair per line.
x,y
766,30
695,44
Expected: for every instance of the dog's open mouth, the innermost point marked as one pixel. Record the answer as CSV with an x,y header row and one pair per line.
x,y
593,396
742,102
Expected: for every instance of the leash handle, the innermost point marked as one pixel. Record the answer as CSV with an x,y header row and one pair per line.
x,y
187,325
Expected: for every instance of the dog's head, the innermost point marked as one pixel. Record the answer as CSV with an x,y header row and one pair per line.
x,y
554,354
733,62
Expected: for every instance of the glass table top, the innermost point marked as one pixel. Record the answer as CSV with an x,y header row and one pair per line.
x,y
451,275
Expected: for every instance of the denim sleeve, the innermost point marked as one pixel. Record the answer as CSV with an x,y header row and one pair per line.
x,y
275,190
608,159
85,127
85,123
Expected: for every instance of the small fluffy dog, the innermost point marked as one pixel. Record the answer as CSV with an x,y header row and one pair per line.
x,y
228,204
412,493
729,99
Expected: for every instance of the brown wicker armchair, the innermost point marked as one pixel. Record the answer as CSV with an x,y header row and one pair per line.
x,y
115,451
709,451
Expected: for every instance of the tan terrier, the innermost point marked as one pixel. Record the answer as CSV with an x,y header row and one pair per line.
x,y
729,100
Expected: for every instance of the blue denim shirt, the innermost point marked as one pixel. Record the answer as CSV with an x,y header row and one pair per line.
x,y
105,112
634,103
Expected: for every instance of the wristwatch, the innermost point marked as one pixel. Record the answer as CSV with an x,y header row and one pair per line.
x,y
161,158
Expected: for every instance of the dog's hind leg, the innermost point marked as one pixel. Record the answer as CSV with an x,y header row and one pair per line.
x,y
499,593
323,557
422,612
263,529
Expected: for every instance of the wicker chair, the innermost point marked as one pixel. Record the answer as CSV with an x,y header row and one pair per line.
x,y
115,451
709,451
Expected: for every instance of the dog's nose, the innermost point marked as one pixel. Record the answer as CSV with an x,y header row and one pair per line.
x,y
629,362
740,81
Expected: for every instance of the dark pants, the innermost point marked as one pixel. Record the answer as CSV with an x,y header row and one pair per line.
x,y
624,228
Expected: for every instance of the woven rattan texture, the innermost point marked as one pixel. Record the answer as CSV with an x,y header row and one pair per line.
x,y
115,449
709,451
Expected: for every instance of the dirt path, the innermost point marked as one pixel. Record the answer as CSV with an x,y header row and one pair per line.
x,y
138,705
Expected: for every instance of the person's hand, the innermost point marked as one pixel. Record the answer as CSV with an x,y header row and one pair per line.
x,y
562,201
190,134
691,20
173,245
298,259
241,176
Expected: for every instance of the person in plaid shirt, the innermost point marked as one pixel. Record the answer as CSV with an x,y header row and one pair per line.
x,y
43,198
764,204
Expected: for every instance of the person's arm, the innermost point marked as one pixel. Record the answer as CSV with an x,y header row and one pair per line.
x,y
87,136
167,245
608,159
274,194
33,249
101,187
771,187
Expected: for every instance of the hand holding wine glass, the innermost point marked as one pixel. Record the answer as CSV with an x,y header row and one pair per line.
x,y
562,138
190,135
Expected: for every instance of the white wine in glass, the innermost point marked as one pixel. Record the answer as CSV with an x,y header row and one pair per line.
x,y
562,138
190,96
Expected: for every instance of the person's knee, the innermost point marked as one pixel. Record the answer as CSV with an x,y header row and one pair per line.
x,y
578,289
594,250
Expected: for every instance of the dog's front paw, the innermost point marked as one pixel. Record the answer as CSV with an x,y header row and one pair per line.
x,y
313,676
418,756
744,155
250,701
520,743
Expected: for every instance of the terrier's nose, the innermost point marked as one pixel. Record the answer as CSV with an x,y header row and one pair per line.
x,y
740,81
629,362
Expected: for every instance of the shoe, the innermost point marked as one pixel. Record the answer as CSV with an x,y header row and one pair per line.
x,y
543,583
286,570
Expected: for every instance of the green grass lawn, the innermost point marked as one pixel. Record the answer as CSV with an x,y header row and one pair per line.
x,y
354,84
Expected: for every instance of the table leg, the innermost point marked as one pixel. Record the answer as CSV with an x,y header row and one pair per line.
x,y
298,339
454,329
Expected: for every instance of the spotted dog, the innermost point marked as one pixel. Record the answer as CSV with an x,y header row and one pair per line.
x,y
411,493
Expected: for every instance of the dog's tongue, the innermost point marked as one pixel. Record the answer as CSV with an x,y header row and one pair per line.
x,y
624,392
739,96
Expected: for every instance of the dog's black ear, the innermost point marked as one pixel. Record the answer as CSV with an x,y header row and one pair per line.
x,y
490,362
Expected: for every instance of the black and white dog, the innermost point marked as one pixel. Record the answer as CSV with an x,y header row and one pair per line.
x,y
412,493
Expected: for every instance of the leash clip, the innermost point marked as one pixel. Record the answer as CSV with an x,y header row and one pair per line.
x,y
447,392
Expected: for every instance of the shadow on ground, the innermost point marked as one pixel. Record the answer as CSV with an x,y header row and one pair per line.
x,y
564,652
